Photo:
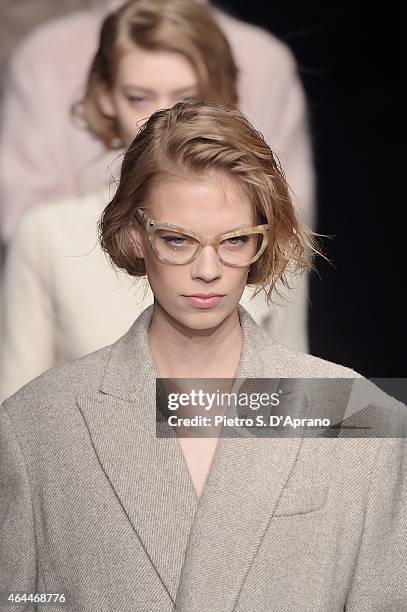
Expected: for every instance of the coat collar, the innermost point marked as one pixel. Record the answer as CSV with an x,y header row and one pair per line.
x,y
131,363
190,541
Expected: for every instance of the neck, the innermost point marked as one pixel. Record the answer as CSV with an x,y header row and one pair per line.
x,y
181,352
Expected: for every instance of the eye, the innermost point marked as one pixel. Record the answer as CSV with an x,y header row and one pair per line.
x,y
175,240
236,241
136,99
190,97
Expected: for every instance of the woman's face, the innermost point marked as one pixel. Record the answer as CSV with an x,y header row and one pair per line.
x,y
147,81
209,206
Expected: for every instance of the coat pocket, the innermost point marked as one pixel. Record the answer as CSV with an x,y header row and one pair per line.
x,y
302,500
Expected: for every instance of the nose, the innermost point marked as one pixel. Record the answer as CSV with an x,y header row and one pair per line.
x,y
206,266
164,101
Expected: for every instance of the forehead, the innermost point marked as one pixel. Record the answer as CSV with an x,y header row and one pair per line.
x,y
211,204
154,69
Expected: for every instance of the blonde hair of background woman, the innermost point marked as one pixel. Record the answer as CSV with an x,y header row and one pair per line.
x,y
180,26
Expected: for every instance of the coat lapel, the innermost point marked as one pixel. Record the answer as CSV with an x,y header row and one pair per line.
x,y
193,544
246,480
148,474
242,492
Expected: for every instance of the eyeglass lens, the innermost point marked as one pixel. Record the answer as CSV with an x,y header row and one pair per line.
x,y
179,248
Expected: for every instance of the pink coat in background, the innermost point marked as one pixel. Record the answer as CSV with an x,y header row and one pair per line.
x,y
45,157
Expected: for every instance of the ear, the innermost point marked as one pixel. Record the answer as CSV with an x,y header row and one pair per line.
x,y
105,102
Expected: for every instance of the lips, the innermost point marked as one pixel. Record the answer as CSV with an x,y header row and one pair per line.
x,y
204,300
205,295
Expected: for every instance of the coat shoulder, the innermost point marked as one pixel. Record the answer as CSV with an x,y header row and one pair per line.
x,y
57,212
56,222
259,42
58,34
61,384
273,359
302,365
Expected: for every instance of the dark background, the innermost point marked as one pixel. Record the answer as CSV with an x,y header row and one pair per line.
x,y
349,61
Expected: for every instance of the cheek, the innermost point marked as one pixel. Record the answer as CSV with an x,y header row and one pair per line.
x,y
130,121
151,267
237,277
162,278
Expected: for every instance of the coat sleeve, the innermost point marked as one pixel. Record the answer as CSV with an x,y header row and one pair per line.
x,y
32,168
288,323
18,556
380,578
28,313
285,320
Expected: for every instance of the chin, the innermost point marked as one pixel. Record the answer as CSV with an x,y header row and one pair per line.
x,y
203,319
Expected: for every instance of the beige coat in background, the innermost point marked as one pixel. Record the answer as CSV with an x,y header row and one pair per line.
x,y
95,506
62,298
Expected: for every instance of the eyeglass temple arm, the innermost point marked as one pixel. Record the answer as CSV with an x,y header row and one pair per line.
x,y
141,215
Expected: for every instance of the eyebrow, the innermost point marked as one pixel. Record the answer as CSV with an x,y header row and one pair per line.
x,y
241,227
236,229
147,91
185,89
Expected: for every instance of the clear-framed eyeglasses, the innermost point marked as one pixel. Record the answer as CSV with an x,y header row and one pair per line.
x,y
176,245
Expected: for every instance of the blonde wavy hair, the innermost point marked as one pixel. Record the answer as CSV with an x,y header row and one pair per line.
x,y
181,26
189,140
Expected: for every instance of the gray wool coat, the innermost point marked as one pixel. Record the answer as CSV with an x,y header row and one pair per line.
x,y
95,506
